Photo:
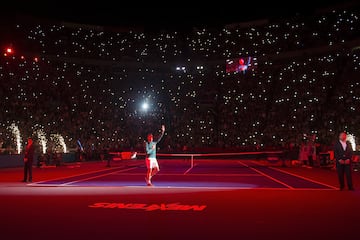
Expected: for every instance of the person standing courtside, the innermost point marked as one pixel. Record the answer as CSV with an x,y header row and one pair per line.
x,y
28,160
343,156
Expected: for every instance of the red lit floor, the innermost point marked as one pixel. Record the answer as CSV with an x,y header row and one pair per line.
x,y
242,200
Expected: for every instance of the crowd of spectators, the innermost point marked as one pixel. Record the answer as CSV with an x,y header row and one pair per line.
x,y
88,83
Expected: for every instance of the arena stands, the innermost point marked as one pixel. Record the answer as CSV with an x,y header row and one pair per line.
x,y
89,82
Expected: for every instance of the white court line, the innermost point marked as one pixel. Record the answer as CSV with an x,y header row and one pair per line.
x,y
106,174
305,178
229,188
187,171
185,187
197,174
265,175
299,176
71,176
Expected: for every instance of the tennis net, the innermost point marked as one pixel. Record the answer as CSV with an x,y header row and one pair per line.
x,y
213,160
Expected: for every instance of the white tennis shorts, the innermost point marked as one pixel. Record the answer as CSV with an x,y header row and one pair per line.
x,y
152,163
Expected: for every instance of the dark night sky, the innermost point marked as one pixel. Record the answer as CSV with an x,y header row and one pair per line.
x,y
175,14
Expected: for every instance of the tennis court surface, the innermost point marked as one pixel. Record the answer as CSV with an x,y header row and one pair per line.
x,y
209,197
204,173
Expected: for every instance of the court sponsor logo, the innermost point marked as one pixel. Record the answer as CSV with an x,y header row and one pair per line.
x,y
150,207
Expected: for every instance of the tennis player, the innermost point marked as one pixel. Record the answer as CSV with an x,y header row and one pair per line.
x,y
151,162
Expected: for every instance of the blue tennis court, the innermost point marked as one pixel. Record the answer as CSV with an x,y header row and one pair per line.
x,y
205,173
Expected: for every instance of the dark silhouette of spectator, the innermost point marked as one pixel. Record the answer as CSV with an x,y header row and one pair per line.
x,y
28,160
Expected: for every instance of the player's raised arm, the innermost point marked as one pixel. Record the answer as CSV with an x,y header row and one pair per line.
x,y
162,133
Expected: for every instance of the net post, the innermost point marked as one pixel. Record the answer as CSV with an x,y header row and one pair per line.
x,y
192,161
